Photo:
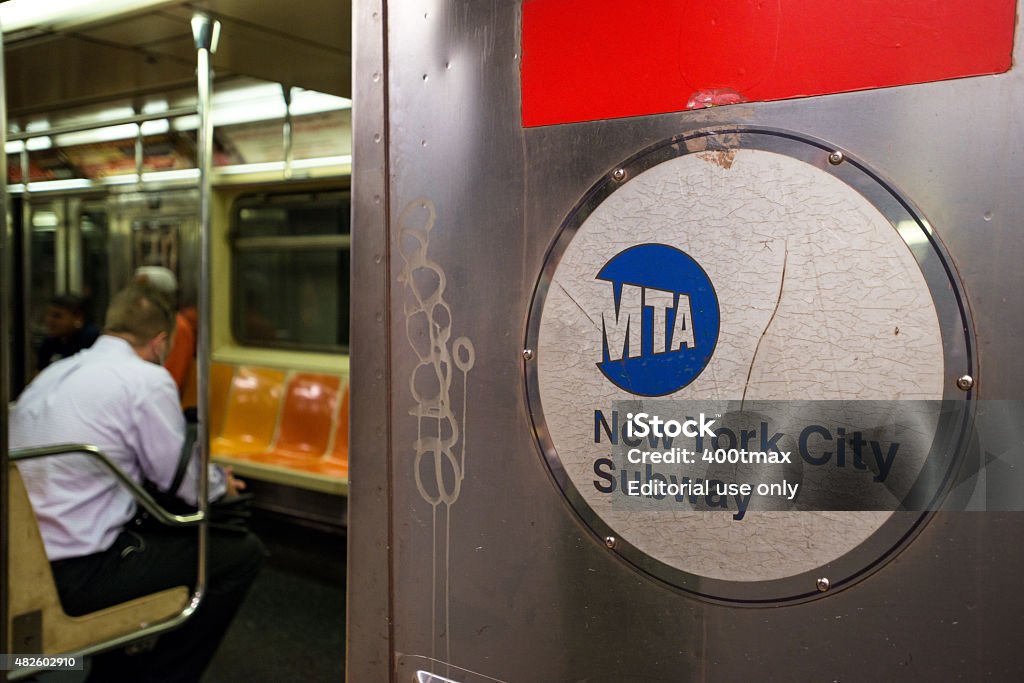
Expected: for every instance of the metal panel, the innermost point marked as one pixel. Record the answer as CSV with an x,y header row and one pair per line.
x,y
60,72
327,22
368,605
490,569
136,31
151,52
72,245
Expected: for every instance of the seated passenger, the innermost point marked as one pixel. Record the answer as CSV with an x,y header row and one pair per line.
x,y
117,396
67,331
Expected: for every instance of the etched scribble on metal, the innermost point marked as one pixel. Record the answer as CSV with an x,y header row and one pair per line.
x,y
439,465
428,326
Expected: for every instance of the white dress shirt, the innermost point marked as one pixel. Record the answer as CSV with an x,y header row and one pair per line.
x,y
107,396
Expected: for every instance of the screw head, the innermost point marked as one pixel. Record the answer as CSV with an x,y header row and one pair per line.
x,y
619,174
527,354
823,584
965,382
836,158
610,542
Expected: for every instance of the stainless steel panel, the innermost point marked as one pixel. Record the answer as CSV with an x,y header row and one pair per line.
x,y
62,245
61,72
325,22
176,211
368,605
490,569
93,252
73,245
151,52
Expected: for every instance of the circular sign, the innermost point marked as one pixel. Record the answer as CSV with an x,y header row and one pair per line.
x,y
740,269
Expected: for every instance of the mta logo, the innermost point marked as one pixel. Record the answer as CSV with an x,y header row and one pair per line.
x,y
661,326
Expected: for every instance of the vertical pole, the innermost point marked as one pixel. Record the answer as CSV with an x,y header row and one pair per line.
x,y
7,328
139,151
26,265
286,130
205,32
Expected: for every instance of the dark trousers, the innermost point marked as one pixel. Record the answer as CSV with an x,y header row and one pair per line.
x,y
144,561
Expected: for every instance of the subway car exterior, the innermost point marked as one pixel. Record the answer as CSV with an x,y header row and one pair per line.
x,y
590,244
569,214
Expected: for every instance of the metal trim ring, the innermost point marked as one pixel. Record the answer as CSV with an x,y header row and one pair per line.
x,y
958,344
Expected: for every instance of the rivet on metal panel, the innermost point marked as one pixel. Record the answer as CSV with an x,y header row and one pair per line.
x,y
527,354
965,382
619,174
380,317
823,584
610,542
376,137
376,76
836,158
377,258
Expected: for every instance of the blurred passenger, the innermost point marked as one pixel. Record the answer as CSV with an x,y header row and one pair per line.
x,y
67,330
181,358
117,396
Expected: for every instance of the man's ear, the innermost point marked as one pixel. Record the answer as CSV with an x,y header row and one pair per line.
x,y
157,347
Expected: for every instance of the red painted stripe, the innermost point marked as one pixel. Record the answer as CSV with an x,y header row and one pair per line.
x,y
599,59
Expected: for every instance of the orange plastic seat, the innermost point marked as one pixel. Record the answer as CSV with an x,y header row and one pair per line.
x,y
250,417
307,416
336,462
295,449
308,456
340,450
330,467
220,386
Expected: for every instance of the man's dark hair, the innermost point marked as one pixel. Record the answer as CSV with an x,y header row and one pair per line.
x,y
70,302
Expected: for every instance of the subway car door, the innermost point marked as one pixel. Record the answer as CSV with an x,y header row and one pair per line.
x,y
685,342
63,248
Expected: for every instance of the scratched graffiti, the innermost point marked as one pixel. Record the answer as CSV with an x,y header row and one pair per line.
x,y
439,465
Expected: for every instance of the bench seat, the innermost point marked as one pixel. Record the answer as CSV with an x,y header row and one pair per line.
x,y
288,428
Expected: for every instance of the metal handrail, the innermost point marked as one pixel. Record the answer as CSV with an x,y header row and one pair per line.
x,y
139,493
151,506
95,125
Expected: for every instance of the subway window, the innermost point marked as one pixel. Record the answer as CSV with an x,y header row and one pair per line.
x,y
291,270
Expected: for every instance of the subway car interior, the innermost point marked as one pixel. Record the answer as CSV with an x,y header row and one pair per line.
x,y
103,178
554,340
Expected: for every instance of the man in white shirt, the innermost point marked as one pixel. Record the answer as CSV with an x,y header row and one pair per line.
x,y
117,396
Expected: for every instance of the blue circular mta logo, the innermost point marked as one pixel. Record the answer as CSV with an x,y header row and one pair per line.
x,y
660,327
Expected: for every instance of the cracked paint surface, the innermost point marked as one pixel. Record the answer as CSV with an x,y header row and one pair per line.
x,y
812,281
